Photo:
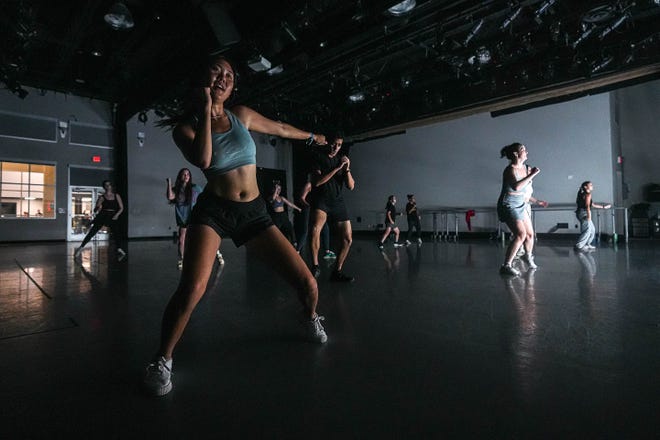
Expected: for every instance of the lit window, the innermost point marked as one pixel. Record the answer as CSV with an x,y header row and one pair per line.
x,y
27,190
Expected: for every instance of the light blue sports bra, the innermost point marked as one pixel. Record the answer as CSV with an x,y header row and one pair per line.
x,y
231,149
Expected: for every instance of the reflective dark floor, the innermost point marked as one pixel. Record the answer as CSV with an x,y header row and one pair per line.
x,y
429,342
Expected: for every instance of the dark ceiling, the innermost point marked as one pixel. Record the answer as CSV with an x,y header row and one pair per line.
x,y
443,58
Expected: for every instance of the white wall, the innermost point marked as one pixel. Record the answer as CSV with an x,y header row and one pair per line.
x,y
457,164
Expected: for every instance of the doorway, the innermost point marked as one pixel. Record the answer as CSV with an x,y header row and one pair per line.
x,y
82,200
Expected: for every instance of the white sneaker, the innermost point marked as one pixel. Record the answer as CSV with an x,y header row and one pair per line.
x,y
157,378
179,264
219,257
419,240
121,254
529,259
398,245
507,269
590,247
315,331
408,243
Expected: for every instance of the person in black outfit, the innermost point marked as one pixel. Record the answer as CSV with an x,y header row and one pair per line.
x,y
390,225
109,207
413,219
331,172
277,211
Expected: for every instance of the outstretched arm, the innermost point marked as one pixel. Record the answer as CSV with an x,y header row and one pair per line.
x,y
290,204
256,122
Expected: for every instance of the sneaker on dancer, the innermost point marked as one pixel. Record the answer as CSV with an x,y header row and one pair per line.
x,y
419,240
529,259
218,255
507,269
329,255
179,264
157,379
408,243
380,245
398,245
121,254
340,276
316,271
314,330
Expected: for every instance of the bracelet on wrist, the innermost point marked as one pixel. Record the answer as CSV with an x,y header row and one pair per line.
x,y
310,139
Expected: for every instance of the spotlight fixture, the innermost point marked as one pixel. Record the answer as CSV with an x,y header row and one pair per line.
x,y
619,21
402,8
475,30
544,8
602,64
585,34
357,96
598,14
483,55
275,70
506,23
119,17
259,63
63,127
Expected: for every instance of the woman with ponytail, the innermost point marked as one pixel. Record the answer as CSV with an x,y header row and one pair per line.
x,y
583,213
511,206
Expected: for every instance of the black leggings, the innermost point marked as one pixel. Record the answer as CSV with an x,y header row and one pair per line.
x,y
413,223
100,221
281,220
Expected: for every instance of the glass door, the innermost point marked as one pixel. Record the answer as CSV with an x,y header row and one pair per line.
x,y
82,200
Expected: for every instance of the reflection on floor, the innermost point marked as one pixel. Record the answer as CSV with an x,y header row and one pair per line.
x,y
428,342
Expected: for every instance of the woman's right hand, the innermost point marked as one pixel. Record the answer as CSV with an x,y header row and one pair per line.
x,y
535,171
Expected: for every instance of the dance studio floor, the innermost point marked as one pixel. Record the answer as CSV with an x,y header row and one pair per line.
x,y
428,342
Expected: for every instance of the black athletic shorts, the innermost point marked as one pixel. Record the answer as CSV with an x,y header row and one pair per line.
x,y
241,221
335,208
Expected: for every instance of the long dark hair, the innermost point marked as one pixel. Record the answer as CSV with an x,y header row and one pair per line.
x,y
582,191
188,112
509,150
187,187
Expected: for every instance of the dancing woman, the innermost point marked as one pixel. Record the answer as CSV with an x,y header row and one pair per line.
x,y
216,139
512,206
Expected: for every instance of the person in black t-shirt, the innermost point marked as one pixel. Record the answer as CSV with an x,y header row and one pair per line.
x,y
331,172
413,219
390,225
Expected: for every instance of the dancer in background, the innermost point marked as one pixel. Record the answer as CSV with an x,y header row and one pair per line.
x,y
512,206
109,207
390,225
331,173
183,196
217,140
413,219
278,213
583,213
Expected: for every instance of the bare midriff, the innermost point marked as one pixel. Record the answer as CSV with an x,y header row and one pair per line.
x,y
238,185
